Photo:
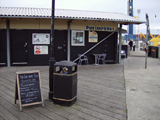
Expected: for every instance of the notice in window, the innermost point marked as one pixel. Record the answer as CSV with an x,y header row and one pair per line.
x,y
40,38
38,50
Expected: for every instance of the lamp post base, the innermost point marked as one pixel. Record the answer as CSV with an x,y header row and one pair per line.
x,y
51,81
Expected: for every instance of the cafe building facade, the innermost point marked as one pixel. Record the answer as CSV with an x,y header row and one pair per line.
x,y
25,35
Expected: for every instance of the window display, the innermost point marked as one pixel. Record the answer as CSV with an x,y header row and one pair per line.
x,y
78,38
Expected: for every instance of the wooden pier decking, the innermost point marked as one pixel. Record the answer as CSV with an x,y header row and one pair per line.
x,y
101,95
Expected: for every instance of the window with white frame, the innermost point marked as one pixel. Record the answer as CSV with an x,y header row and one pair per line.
x,y
78,38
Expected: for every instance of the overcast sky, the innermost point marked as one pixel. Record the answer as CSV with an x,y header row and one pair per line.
x,y
152,7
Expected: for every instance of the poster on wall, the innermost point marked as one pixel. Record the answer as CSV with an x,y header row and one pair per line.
x,y
93,36
40,38
38,50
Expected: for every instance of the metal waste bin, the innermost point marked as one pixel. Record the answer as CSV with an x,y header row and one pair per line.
x,y
154,51
65,83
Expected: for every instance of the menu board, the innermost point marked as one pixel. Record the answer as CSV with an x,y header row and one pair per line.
x,y
28,88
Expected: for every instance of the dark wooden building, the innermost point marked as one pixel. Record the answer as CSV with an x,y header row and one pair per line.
x,y
25,35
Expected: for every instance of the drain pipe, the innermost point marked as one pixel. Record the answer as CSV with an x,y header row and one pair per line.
x,y
120,43
8,43
68,44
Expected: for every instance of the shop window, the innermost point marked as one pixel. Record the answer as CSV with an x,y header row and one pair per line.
x,y
78,38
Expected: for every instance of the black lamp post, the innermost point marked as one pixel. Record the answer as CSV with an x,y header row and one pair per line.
x,y
147,35
51,60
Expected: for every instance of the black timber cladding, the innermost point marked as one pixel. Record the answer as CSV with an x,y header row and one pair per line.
x,y
109,46
60,50
21,54
3,47
37,59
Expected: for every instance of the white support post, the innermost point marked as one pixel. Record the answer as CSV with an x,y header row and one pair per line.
x,y
8,43
120,43
68,44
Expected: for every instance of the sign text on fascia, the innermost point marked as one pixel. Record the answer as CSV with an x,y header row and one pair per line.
x,y
99,28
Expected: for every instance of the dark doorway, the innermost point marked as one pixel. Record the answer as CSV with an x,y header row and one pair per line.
x,y
60,47
18,47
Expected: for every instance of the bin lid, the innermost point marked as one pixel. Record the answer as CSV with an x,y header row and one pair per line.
x,y
65,63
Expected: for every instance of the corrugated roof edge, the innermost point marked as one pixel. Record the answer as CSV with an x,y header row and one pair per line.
x,y
88,11
8,15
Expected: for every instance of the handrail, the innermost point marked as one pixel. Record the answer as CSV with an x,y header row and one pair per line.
x,y
97,44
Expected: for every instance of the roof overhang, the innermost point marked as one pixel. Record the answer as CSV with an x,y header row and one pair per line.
x,y
45,13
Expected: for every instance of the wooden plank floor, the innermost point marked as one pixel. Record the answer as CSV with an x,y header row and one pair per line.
x,y
100,96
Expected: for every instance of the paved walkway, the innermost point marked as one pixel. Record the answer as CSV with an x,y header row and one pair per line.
x,y
142,87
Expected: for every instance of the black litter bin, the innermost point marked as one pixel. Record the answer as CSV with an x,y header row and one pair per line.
x,y
65,83
154,51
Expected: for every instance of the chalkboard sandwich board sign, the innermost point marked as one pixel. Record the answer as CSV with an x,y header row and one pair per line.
x,y
28,88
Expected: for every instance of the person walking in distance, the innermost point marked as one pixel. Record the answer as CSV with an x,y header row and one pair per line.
x,y
134,45
131,44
